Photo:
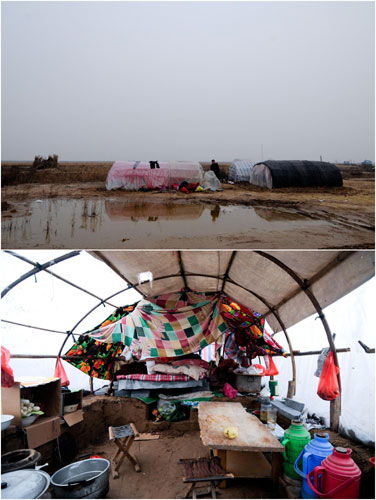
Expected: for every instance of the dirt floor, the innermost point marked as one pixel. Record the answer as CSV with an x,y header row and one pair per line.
x,y
161,475
348,209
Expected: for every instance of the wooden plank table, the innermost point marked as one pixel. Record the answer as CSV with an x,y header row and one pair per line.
x,y
244,455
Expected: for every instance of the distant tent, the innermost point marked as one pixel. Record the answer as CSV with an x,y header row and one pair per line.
x,y
133,175
240,170
277,174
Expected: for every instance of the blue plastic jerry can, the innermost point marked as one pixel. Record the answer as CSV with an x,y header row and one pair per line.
x,y
312,455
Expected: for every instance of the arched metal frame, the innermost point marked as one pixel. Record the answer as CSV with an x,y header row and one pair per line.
x,y
335,407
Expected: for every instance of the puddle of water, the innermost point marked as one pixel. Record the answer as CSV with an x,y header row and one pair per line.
x,y
114,223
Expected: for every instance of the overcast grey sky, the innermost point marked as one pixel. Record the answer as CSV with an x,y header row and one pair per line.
x,y
188,80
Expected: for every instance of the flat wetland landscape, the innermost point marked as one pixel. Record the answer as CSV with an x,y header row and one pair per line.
x,y
69,207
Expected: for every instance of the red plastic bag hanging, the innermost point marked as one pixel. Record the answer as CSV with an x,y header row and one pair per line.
x,y
272,369
60,373
328,388
7,377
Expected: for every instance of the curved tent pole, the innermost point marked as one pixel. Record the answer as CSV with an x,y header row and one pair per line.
x,y
37,268
70,332
32,263
104,259
335,405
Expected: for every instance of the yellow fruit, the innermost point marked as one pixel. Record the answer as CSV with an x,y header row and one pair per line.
x,y
231,432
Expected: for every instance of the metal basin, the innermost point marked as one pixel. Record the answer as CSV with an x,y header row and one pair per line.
x,y
5,421
85,479
248,383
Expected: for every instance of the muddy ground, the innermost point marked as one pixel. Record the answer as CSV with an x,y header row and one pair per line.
x,y
350,207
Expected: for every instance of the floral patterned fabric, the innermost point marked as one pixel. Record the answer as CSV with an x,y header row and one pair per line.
x,y
99,362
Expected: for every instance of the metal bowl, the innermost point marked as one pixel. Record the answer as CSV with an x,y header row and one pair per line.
x,y
26,421
5,421
85,479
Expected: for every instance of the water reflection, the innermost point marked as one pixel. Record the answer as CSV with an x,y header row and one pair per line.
x,y
115,223
214,212
271,214
152,211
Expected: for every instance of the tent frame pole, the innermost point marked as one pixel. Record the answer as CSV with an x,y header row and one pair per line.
x,y
70,332
182,270
292,383
335,405
35,264
37,268
104,259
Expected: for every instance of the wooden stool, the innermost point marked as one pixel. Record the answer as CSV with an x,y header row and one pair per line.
x,y
200,470
124,436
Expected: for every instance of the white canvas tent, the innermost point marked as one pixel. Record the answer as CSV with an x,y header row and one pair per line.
x,y
256,279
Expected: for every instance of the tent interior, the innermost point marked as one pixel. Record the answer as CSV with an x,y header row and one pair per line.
x,y
134,306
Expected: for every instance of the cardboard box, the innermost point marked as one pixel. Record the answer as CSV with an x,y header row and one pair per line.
x,y
71,398
44,391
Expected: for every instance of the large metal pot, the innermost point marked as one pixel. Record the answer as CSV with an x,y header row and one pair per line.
x,y
85,479
25,483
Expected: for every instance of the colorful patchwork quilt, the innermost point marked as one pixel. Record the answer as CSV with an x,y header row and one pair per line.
x,y
169,325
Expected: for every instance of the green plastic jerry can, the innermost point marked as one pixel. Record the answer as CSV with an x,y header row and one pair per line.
x,y
294,440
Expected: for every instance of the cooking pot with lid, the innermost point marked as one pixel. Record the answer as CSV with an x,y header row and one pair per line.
x,y
25,483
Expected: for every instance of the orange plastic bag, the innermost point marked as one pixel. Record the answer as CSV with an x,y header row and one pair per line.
x,y
60,373
272,370
328,388
7,378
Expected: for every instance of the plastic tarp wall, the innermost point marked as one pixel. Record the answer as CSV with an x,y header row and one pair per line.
x,y
211,181
38,301
261,176
352,318
240,170
133,175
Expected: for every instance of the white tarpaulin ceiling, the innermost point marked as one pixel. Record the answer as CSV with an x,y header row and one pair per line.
x,y
259,280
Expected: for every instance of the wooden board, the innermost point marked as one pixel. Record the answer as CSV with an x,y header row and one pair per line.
x,y
213,419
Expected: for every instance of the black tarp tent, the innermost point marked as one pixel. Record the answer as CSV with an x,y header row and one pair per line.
x,y
292,173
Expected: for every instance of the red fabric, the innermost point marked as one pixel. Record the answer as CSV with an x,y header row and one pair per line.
x,y
328,388
60,373
272,370
155,377
229,391
7,378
